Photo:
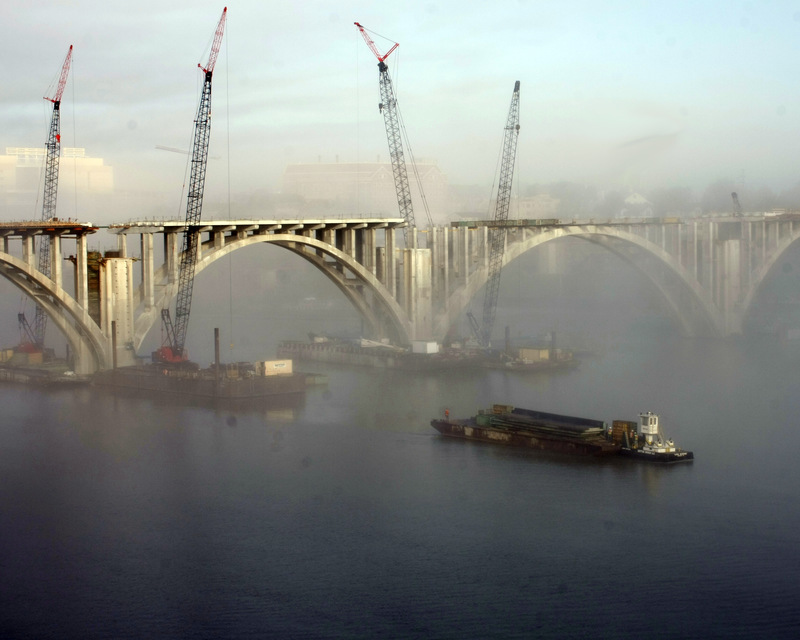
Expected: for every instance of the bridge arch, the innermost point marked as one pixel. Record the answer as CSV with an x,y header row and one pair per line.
x,y
766,270
683,295
89,346
359,285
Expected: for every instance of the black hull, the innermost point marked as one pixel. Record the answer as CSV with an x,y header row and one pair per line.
x,y
154,380
468,430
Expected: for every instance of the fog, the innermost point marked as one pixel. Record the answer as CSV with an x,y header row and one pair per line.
x,y
629,96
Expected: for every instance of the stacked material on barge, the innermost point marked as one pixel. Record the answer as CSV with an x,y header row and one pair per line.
x,y
532,429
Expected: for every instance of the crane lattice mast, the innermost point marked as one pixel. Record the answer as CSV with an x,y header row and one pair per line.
x,y
53,154
391,118
497,231
174,350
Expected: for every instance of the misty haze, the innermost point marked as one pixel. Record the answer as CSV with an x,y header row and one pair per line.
x,y
363,191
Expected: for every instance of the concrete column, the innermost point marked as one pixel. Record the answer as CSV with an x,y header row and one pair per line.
x,y
219,239
484,243
350,242
446,265
198,239
5,244
417,284
380,265
391,262
463,257
148,270
171,255
55,261
730,285
368,252
82,273
436,251
28,254
122,245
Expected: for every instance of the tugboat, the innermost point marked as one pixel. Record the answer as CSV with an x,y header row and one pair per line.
x,y
647,443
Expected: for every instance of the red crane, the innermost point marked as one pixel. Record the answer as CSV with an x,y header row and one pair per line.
x,y
53,150
175,334
391,118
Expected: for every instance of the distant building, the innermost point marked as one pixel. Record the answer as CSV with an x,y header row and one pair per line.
x,y
364,188
22,176
542,205
637,206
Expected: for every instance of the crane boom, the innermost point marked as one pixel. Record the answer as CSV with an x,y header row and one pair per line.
x,y
391,119
53,154
176,333
497,231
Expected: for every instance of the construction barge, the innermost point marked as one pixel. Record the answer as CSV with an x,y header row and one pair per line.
x,y
527,428
238,381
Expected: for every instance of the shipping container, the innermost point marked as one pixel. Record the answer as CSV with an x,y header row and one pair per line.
x,y
274,367
423,346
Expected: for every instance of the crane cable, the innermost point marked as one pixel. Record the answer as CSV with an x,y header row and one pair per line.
x,y
404,133
228,152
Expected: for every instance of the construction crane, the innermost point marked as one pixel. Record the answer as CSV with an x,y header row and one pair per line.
x,y
36,333
172,350
737,208
497,230
391,118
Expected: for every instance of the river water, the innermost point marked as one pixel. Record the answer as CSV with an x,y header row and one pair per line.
x,y
350,517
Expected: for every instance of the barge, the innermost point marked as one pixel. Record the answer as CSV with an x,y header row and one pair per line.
x,y
423,356
239,381
504,424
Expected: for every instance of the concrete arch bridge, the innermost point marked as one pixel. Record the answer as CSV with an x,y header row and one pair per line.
x,y
706,270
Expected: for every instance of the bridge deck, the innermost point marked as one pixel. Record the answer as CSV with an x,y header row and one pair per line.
x,y
257,226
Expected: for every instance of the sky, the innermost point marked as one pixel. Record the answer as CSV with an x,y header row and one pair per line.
x,y
631,94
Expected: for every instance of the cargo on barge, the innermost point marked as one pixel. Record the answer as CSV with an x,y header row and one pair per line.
x,y
508,425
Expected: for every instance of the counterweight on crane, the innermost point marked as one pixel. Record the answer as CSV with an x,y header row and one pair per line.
x,y
497,230
391,118
173,348
53,154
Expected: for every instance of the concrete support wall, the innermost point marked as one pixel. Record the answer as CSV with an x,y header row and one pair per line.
x,y
116,295
418,291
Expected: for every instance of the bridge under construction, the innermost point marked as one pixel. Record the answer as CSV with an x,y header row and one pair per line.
x,y
706,270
